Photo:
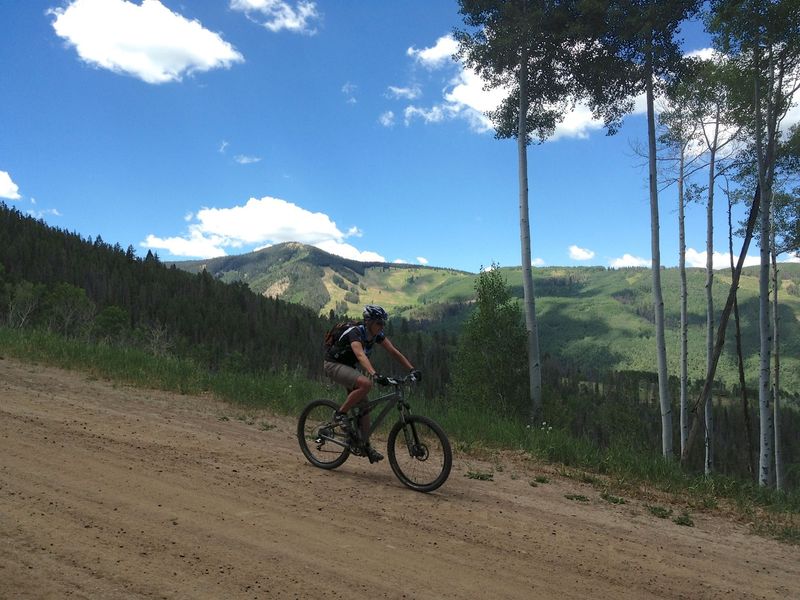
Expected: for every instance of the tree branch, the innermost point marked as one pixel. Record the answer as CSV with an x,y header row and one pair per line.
x,y
723,325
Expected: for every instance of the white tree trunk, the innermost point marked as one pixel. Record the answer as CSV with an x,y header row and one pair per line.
x,y
709,415
534,363
764,395
765,154
776,398
684,401
658,299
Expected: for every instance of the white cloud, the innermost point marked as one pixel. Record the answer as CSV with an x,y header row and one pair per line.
x,y
147,41
437,56
223,146
400,261
720,260
466,97
8,189
435,114
792,117
409,93
792,258
40,214
422,260
348,251
196,245
576,253
260,222
243,159
703,54
538,262
628,260
349,90
277,15
387,119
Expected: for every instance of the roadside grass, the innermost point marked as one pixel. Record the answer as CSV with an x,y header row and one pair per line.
x,y
620,468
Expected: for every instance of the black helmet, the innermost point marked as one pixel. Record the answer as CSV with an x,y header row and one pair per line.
x,y
375,313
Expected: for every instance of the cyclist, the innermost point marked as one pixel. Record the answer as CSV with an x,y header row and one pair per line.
x,y
352,349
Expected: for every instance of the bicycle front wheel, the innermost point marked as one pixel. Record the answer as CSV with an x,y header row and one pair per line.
x,y
323,444
419,453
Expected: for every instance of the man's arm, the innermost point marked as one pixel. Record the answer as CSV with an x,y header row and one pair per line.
x,y
361,356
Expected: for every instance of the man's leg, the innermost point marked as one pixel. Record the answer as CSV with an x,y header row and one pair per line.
x,y
358,393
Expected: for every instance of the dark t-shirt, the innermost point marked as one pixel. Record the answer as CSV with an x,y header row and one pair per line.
x,y
342,352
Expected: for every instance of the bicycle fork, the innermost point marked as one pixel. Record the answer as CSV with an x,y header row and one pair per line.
x,y
415,448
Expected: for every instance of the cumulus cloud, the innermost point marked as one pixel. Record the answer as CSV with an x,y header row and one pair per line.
x,y
628,260
720,260
8,189
259,223
349,251
196,245
577,253
277,15
147,41
538,262
466,97
387,119
438,55
422,260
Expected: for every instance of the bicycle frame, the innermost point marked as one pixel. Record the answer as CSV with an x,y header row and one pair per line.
x,y
394,399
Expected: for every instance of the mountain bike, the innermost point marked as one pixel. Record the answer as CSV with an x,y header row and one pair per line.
x,y
418,449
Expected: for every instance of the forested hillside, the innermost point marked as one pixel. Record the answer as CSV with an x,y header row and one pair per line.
x,y
77,287
54,278
591,318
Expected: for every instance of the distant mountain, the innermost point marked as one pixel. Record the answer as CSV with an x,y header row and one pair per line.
x,y
323,282
591,317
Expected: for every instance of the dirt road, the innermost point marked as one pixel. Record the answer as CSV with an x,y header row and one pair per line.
x,y
114,492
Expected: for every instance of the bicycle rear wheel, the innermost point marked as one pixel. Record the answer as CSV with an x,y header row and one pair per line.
x,y
323,444
419,453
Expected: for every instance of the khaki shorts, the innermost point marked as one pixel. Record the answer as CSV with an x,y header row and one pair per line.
x,y
342,374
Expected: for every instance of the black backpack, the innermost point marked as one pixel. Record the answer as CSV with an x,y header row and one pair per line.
x,y
335,333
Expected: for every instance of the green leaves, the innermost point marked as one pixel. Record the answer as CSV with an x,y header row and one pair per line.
x,y
490,363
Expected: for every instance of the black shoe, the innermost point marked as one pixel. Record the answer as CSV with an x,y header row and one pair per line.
x,y
342,420
373,455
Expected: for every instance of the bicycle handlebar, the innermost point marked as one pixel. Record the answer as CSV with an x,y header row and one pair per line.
x,y
410,378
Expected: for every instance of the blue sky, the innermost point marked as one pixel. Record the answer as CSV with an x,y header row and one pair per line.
x,y
202,128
